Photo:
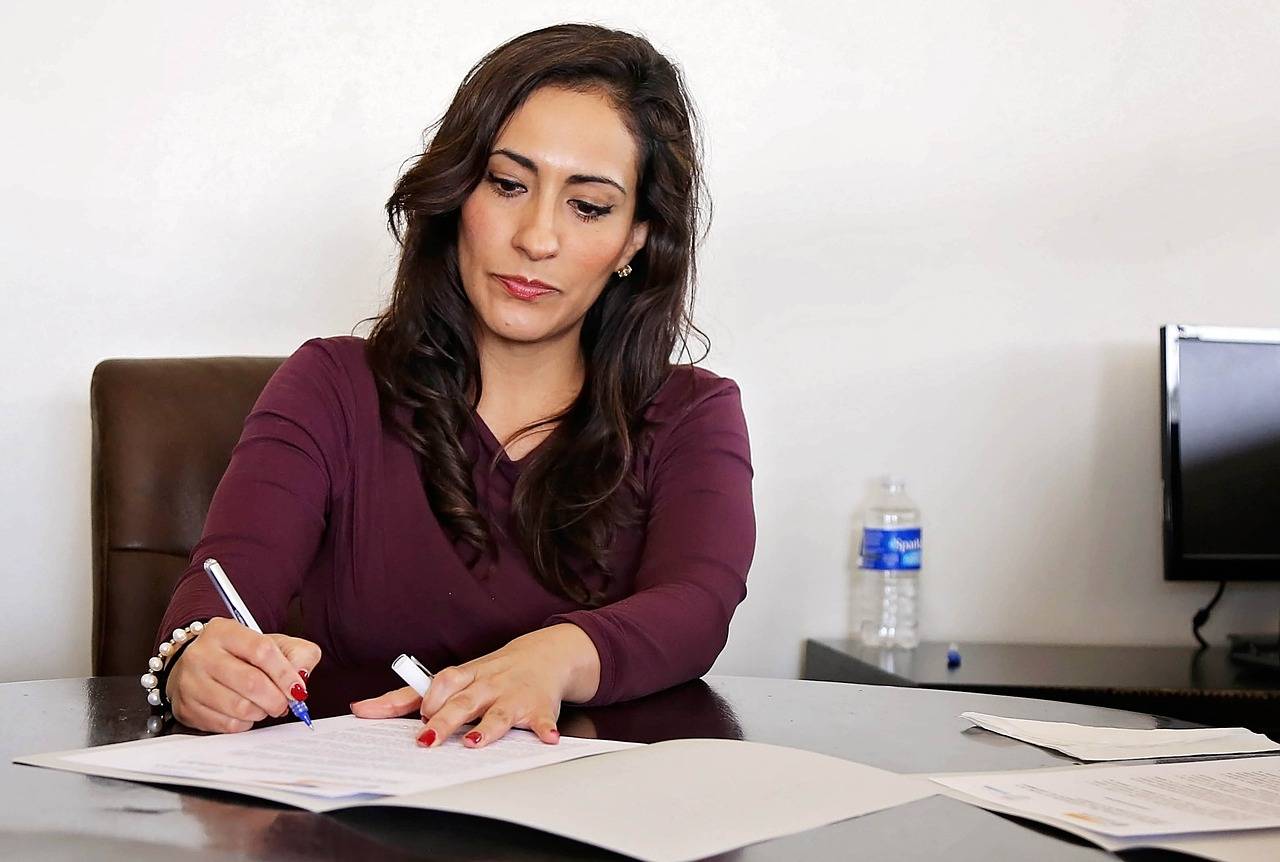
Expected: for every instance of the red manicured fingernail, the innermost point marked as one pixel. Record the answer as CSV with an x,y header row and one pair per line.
x,y
302,672
473,737
554,732
428,738
424,719
298,692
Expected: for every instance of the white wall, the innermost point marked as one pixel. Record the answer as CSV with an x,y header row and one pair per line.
x,y
945,237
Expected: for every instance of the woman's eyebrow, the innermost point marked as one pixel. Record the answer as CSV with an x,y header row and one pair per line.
x,y
528,164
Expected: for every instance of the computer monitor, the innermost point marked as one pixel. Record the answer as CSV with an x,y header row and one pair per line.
x,y
1221,453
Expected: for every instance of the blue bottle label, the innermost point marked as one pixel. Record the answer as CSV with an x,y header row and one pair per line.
x,y
891,549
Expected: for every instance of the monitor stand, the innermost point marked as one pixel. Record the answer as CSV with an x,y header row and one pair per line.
x,y
1256,651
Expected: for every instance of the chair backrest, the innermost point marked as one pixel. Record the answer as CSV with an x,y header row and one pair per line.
x,y
163,431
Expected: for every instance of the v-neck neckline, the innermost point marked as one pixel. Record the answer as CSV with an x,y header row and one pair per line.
x,y
492,440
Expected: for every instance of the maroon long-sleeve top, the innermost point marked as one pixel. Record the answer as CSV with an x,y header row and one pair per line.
x,y
322,500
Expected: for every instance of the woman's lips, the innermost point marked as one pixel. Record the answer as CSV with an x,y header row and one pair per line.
x,y
523,291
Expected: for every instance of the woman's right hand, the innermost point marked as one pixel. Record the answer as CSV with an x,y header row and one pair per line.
x,y
231,676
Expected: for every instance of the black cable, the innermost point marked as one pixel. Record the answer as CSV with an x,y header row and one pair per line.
x,y
1202,615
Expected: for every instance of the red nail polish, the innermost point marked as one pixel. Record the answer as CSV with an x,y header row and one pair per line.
x,y
302,672
554,732
298,692
473,737
428,738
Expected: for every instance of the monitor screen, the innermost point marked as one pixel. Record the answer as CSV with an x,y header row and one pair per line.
x,y
1221,453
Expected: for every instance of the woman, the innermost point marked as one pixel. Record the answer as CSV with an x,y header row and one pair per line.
x,y
509,479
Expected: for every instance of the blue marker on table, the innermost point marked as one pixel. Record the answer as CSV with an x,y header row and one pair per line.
x,y
241,614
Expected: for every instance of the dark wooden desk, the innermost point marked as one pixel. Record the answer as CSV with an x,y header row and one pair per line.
x,y
1198,686
46,814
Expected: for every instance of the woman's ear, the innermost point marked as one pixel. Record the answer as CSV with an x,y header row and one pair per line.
x,y
635,242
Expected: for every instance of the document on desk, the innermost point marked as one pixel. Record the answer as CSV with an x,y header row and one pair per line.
x,y
665,802
1125,743
342,757
1137,800
684,799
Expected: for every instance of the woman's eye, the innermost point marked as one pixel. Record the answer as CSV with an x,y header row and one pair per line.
x,y
506,188
589,212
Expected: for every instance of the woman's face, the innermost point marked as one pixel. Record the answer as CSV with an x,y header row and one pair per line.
x,y
556,206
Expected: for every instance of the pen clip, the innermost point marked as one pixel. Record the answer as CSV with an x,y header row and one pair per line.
x,y
422,667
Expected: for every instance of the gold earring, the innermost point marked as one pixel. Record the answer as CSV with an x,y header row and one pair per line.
x,y
624,272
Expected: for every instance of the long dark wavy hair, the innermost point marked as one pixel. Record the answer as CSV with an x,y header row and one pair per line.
x,y
578,486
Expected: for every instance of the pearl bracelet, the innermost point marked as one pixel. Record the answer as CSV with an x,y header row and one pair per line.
x,y
153,679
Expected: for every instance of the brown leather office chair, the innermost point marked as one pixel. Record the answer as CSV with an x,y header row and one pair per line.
x,y
163,431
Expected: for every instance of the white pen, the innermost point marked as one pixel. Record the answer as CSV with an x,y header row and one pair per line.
x,y
240,612
414,673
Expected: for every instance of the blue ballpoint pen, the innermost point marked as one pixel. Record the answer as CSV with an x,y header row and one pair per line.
x,y
240,612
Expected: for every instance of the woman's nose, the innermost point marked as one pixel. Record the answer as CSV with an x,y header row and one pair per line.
x,y
536,234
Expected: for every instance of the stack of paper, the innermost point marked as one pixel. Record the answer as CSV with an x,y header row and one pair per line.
x,y
666,802
1227,810
344,757
1124,743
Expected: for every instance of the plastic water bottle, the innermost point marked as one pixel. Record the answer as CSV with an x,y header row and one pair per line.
x,y
885,598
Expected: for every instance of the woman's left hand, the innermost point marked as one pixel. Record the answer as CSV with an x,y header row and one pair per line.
x,y
520,685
